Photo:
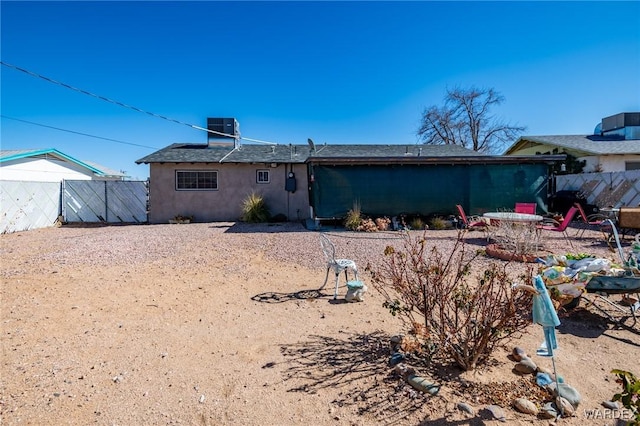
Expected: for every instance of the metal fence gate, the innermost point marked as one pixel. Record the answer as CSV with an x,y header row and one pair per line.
x,y
104,201
28,205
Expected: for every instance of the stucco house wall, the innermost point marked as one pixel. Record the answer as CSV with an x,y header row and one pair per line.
x,y
235,182
610,163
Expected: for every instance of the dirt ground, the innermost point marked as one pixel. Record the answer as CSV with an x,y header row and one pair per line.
x,y
223,323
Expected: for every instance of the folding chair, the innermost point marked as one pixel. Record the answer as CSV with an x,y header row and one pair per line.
x,y
472,222
595,220
528,208
561,227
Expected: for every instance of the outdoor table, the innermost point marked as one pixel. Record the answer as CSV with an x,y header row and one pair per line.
x,y
514,217
611,212
516,231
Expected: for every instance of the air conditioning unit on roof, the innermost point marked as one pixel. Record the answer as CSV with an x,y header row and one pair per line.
x,y
223,130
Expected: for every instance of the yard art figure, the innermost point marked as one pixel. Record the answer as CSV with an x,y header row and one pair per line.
x,y
544,313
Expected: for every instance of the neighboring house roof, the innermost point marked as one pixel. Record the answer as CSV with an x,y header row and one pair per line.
x,y
585,144
106,170
17,154
202,153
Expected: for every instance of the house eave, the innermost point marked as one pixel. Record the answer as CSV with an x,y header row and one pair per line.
x,y
54,153
484,159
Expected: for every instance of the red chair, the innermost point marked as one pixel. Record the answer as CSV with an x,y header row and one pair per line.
x,y
529,208
561,227
595,220
472,222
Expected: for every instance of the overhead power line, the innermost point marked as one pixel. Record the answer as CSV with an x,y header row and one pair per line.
x,y
78,133
193,126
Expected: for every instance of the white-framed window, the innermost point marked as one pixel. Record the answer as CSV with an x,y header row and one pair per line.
x,y
196,180
262,176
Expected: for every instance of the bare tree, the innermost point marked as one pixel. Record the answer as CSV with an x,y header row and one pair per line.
x,y
465,120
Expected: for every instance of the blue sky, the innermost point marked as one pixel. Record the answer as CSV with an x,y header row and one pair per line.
x,y
336,72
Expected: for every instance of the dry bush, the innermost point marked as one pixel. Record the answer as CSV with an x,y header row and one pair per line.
x,y
417,223
367,225
254,209
354,217
383,223
456,321
519,239
438,223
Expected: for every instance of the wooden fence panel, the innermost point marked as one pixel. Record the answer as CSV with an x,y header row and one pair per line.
x,y
604,189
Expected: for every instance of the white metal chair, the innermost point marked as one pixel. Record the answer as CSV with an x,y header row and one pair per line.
x,y
338,265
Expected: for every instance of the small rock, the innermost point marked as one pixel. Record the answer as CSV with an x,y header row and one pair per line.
x,y
569,393
518,353
549,411
565,407
397,338
525,406
404,370
396,342
526,366
612,405
462,406
497,412
396,359
201,400
401,369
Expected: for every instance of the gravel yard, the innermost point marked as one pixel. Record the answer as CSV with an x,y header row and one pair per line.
x,y
218,323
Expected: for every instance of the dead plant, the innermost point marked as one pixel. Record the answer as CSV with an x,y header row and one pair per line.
x,y
367,225
455,320
383,223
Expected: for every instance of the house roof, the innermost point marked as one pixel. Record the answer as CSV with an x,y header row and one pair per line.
x,y
587,144
247,153
203,153
391,151
106,170
17,154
